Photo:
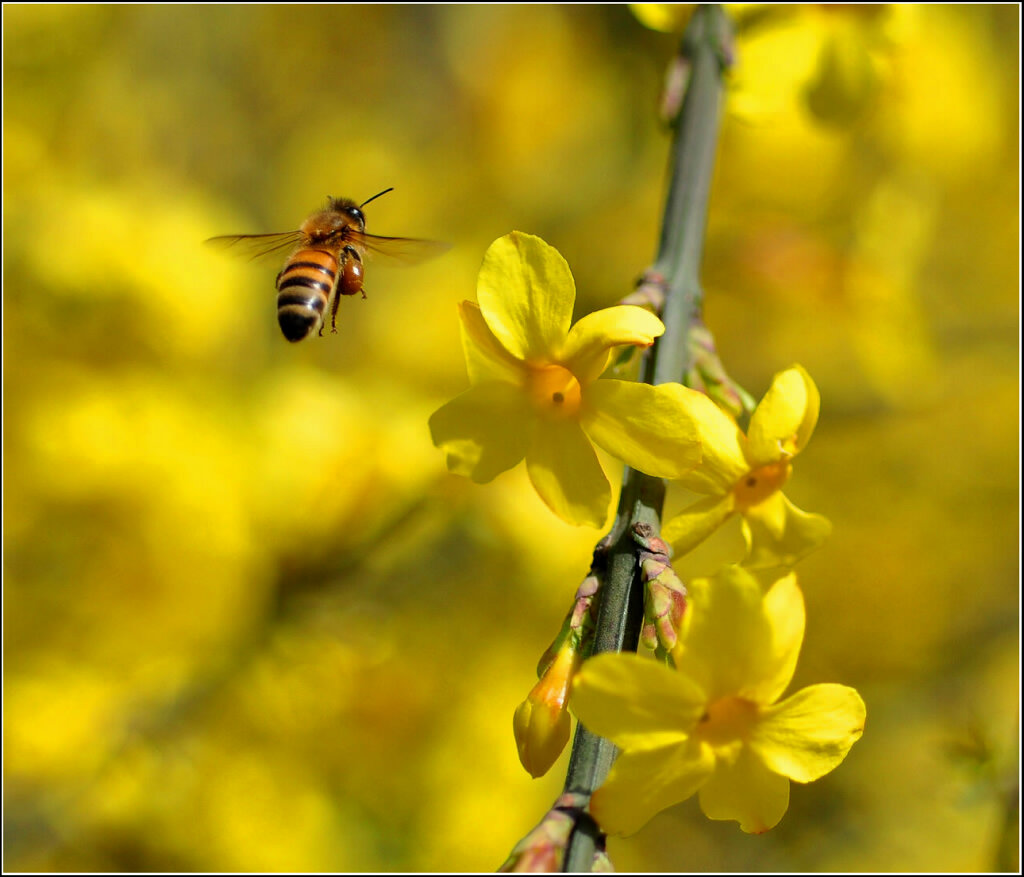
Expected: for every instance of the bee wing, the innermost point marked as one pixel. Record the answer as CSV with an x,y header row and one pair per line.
x,y
256,246
409,251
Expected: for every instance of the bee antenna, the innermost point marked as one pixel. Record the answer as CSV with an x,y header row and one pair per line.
x,y
375,197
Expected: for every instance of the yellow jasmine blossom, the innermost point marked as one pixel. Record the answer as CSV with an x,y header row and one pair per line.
x,y
712,724
829,60
744,474
535,391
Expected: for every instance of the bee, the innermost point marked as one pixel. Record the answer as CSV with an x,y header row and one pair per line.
x,y
325,262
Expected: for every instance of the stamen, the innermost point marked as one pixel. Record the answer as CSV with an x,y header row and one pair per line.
x,y
554,390
758,485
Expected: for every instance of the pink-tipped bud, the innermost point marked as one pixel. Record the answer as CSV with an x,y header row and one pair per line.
x,y
649,293
708,375
677,80
542,851
664,595
541,722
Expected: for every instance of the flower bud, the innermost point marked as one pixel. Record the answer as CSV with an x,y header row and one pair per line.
x,y
649,293
578,625
708,375
664,593
677,80
542,851
541,722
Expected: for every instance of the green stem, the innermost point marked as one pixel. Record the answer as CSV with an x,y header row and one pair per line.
x,y
620,613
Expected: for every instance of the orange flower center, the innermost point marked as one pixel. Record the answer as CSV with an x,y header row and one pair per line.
x,y
727,721
756,486
554,390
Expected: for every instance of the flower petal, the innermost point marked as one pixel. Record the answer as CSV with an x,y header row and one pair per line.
x,y
666,17
590,341
486,359
635,702
564,469
783,608
484,431
807,735
727,646
645,782
649,428
785,419
748,792
695,523
778,534
526,294
723,455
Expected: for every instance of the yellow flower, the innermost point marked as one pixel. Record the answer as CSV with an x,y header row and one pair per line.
x,y
829,60
712,725
535,389
745,474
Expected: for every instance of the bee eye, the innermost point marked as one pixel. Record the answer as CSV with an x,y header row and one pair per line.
x,y
356,214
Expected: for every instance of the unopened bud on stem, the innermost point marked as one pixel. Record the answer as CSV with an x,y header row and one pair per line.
x,y
542,851
708,375
664,593
541,722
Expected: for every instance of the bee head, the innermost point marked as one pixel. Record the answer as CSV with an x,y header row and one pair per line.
x,y
348,208
357,215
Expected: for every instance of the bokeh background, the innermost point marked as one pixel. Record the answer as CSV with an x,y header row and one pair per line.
x,y
251,623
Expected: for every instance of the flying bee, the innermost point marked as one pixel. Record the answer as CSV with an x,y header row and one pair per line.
x,y
325,262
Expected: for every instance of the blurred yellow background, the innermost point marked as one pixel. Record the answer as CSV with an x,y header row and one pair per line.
x,y
250,621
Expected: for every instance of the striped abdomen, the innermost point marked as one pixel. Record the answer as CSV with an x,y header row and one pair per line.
x,y
304,288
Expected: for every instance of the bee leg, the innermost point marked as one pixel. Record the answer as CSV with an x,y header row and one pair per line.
x,y
334,313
